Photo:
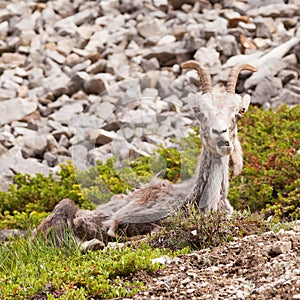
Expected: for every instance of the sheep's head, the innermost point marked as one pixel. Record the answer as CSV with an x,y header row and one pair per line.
x,y
219,110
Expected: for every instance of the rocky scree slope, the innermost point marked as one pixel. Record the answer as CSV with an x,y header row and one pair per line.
x,y
255,267
86,80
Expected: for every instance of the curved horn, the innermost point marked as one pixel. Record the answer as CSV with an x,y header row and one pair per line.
x,y
234,74
205,78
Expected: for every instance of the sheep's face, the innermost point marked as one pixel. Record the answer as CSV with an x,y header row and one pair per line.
x,y
218,114
219,109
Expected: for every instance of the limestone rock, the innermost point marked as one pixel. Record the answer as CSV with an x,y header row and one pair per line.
x,y
103,137
285,96
270,68
267,88
281,247
15,109
56,84
95,85
33,144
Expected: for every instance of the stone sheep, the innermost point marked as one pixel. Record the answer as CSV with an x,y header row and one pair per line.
x,y
218,109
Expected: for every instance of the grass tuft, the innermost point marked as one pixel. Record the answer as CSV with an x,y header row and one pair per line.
x,y
198,231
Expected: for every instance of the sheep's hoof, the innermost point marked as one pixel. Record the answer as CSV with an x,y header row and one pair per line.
x,y
93,245
111,226
111,232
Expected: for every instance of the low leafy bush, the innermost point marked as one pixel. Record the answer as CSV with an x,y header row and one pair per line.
x,y
286,207
28,200
270,180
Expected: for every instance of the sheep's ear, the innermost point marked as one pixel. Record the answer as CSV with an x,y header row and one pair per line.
x,y
197,105
245,101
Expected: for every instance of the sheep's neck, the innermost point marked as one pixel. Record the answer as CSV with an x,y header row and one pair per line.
x,y
211,181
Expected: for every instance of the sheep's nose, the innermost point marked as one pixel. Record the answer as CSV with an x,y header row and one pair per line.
x,y
223,144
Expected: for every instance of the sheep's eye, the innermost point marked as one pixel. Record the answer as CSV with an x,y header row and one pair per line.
x,y
242,111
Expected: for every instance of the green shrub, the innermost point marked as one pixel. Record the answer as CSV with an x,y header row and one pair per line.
x,y
99,183
270,140
40,192
286,207
30,197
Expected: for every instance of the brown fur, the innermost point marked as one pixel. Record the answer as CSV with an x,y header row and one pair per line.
x,y
61,218
151,193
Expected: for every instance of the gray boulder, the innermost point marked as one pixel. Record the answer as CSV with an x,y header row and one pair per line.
x,y
15,109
